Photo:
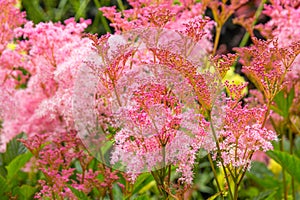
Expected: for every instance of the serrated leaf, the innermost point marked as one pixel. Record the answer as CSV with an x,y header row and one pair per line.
x,y
13,149
14,166
81,195
289,162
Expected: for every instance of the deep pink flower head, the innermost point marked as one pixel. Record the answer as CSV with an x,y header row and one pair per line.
x,y
284,26
266,64
140,100
186,16
243,132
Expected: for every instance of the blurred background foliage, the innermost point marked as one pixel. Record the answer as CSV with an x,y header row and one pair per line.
x,y
60,10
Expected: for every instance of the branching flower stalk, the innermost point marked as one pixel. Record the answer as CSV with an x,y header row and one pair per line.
x,y
223,166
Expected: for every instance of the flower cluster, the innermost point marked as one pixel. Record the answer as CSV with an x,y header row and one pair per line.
x,y
45,62
284,26
10,18
11,76
146,98
243,134
150,95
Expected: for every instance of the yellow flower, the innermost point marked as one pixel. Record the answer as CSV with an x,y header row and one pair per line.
x,y
274,167
18,4
11,46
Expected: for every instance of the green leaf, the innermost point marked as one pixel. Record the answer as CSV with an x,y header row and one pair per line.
x,y
277,110
17,164
81,195
117,192
3,185
143,197
142,181
263,176
75,4
34,11
269,194
297,146
283,104
214,196
25,192
250,193
289,162
61,10
80,12
290,97
13,149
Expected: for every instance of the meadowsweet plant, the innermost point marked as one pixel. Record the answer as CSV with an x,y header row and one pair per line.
x,y
284,50
37,74
232,152
152,110
148,95
11,76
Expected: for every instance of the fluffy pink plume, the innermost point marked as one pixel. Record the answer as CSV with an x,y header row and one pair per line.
x,y
48,59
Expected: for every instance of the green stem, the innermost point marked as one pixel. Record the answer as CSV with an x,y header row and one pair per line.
x,y
120,4
267,113
291,152
110,193
164,170
219,155
215,175
285,194
238,180
236,188
154,175
157,175
246,36
102,18
169,175
256,16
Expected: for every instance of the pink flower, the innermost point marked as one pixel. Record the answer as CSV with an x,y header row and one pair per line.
x,y
48,70
243,134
